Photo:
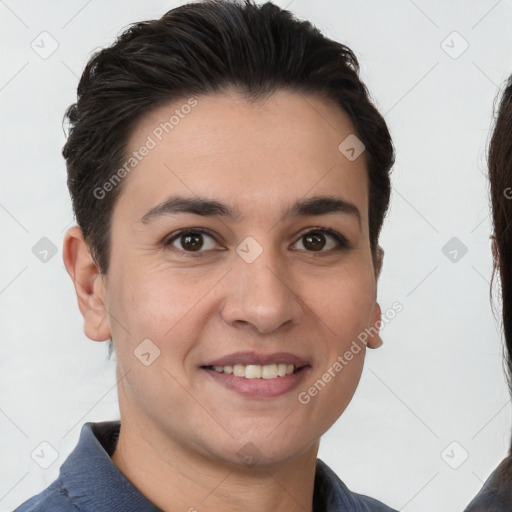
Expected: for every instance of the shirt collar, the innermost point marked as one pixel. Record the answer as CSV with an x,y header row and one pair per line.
x,y
93,482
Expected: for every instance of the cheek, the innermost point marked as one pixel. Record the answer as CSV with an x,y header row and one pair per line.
x,y
162,304
344,303
342,306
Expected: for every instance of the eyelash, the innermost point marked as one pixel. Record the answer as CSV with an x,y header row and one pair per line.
x,y
342,242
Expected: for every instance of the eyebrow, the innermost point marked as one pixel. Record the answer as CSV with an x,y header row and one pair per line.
x,y
318,205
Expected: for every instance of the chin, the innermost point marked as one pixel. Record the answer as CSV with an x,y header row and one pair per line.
x,y
261,451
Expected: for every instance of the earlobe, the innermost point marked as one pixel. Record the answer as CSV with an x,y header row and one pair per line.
x,y
89,285
374,339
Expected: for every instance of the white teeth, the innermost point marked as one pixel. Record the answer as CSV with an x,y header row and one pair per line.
x,y
253,371
281,370
239,370
257,371
269,371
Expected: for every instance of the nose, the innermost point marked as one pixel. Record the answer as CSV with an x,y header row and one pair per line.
x,y
262,295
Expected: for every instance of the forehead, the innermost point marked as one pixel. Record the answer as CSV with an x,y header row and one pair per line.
x,y
254,156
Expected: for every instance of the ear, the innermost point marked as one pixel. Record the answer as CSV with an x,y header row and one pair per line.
x,y
89,284
379,259
374,339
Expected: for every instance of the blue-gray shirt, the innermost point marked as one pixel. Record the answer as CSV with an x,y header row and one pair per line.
x,y
496,494
90,482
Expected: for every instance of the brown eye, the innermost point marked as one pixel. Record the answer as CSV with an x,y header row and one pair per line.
x,y
317,239
191,241
314,242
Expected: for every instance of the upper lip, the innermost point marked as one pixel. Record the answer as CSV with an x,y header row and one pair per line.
x,y
260,359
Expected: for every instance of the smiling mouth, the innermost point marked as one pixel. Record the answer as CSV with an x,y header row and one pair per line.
x,y
257,371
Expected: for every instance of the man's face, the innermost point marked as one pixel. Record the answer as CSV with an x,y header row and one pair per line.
x,y
249,290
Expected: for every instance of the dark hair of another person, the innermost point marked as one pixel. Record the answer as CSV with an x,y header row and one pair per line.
x,y
500,178
495,495
191,51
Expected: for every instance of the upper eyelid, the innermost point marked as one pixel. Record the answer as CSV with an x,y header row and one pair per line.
x,y
180,232
168,240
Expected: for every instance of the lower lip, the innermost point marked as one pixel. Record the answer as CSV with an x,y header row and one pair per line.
x,y
260,388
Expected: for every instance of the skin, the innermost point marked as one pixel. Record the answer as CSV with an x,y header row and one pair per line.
x,y
182,431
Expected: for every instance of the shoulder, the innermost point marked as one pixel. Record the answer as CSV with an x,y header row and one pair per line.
x,y
495,495
54,498
331,494
367,504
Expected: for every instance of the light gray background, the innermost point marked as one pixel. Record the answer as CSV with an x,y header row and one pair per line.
x,y
437,379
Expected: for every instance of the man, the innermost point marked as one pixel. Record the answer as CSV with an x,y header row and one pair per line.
x,y
229,177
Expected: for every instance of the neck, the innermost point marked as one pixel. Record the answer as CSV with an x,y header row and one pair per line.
x,y
177,478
